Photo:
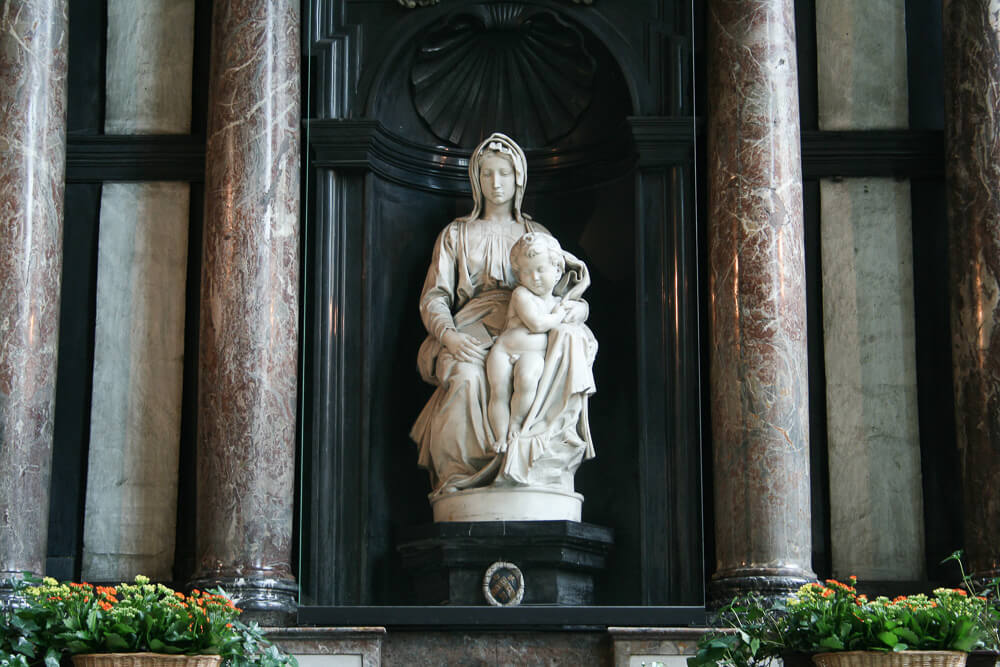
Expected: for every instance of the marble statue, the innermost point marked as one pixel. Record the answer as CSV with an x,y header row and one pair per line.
x,y
509,354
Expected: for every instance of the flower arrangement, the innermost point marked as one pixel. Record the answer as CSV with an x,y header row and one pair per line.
x,y
60,619
833,616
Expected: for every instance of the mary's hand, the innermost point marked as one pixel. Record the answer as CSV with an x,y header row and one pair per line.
x,y
464,347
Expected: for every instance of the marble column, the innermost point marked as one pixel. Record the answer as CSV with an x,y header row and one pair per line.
x,y
972,135
135,421
249,306
869,329
33,51
757,302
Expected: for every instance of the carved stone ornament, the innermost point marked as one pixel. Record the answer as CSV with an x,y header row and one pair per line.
x,y
510,356
502,65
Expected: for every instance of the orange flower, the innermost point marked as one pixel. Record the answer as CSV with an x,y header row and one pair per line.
x,y
841,585
827,593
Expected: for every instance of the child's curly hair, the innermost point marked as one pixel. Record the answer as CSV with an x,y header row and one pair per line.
x,y
533,244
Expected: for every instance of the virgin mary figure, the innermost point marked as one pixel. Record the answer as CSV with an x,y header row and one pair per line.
x,y
464,306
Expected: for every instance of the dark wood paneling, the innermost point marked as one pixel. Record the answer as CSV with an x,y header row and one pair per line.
x,y
96,159
75,367
873,153
88,34
819,469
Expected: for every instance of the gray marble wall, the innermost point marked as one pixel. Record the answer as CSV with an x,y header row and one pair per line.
x,y
142,262
876,511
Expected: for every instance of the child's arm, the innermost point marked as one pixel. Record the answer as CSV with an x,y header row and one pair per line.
x,y
533,312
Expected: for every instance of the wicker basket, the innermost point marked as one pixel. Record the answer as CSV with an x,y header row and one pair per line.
x,y
891,659
144,660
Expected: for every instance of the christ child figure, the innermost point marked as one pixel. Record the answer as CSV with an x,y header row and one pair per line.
x,y
517,358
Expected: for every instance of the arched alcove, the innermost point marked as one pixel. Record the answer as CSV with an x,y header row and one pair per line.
x,y
613,186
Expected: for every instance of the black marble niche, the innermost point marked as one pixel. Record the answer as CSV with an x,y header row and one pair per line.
x,y
614,184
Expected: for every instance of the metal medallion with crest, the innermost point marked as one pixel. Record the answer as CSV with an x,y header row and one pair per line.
x,y
503,584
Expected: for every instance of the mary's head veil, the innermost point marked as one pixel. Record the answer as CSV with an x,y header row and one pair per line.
x,y
504,145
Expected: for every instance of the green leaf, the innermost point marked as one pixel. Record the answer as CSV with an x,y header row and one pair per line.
x,y
907,634
123,629
25,625
156,645
115,641
888,638
24,646
965,644
832,642
52,658
754,646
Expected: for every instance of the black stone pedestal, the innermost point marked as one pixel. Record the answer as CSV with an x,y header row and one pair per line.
x,y
446,562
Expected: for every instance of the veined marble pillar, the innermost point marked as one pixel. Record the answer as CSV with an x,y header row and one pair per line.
x,y
759,380
33,49
135,420
972,133
249,306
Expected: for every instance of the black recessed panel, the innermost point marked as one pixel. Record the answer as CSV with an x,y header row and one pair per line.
x,y
391,173
77,314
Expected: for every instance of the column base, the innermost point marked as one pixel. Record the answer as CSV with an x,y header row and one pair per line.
x,y
769,582
264,597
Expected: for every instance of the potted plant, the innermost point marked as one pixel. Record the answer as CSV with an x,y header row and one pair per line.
x,y
129,625
838,627
988,654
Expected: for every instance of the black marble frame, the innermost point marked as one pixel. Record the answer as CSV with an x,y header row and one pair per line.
x,y
348,150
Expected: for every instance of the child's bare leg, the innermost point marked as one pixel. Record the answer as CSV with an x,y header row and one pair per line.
x,y
527,372
499,372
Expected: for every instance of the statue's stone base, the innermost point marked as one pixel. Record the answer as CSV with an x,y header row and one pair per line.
x,y
447,561
508,504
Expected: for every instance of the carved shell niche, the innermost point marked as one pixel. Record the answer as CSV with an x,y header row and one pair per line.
x,y
502,67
